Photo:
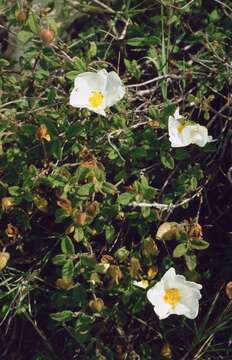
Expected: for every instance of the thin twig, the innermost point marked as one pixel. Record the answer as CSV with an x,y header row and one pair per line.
x,y
109,136
106,7
161,77
167,207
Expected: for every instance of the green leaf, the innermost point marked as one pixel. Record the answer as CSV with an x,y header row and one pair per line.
x,y
60,215
167,160
79,293
25,36
109,188
67,246
33,23
199,244
64,315
79,64
79,234
88,262
125,198
191,262
180,250
133,68
4,62
146,212
59,259
56,149
92,51
68,269
71,75
143,41
215,15
82,328
85,190
15,191
109,233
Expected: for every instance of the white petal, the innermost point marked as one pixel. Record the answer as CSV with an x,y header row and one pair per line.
x,y
180,309
162,309
178,144
176,137
197,134
99,110
169,275
114,89
185,282
202,137
79,96
94,81
155,293
187,135
156,296
177,113
191,302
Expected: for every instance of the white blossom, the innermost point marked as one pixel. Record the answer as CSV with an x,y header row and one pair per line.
x,y
183,133
97,91
173,294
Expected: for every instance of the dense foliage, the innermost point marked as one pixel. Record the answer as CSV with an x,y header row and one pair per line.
x,y
82,195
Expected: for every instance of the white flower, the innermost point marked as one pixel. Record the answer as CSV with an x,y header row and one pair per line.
x,y
175,295
143,284
183,133
97,91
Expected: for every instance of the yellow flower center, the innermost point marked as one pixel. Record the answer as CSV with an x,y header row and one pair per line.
x,y
172,296
96,99
180,128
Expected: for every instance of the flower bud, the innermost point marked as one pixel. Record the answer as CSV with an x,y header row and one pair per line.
x,y
92,208
122,254
115,273
70,229
96,305
149,247
20,16
195,231
4,258
64,283
12,231
42,133
80,218
41,203
152,272
107,259
134,267
7,203
94,232
229,290
94,278
166,351
66,205
47,35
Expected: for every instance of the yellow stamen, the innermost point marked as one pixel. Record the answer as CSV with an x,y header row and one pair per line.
x,y
172,296
180,128
96,99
